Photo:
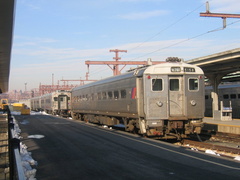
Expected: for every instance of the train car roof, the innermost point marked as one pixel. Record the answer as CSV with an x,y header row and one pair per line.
x,y
163,68
106,80
225,86
49,94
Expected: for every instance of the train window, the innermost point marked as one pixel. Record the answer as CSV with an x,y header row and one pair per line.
x,y
123,93
110,95
61,99
193,84
233,96
104,95
225,96
55,98
238,96
157,85
116,94
174,84
99,96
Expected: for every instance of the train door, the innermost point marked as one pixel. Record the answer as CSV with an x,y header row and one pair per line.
x,y
62,102
176,96
155,97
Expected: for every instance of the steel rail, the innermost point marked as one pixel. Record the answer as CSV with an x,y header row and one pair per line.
x,y
203,145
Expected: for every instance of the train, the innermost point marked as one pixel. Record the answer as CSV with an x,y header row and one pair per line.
x,y
56,103
229,94
165,100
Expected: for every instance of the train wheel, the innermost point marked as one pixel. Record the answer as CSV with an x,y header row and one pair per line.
x,y
74,116
132,128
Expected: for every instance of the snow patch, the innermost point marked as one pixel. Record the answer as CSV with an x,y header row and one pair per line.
x,y
237,158
24,122
15,113
194,149
38,113
27,160
208,151
36,136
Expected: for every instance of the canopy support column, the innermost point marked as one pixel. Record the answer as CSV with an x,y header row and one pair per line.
x,y
215,81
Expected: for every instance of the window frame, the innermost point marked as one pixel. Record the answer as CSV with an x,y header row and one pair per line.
x,y
118,95
195,79
123,92
171,85
152,85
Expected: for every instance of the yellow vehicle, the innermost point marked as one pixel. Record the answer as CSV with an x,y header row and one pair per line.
x,y
20,107
3,104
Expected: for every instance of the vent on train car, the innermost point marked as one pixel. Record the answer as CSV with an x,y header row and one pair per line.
x,y
173,59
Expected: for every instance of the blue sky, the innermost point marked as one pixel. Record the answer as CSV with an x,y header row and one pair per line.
x,y
58,36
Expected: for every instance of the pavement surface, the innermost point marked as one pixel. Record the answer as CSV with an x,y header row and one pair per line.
x,y
67,149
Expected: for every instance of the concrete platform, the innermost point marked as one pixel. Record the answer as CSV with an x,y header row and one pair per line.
x,y
222,126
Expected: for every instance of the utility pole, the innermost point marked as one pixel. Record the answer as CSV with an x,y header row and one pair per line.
x,y
25,87
221,15
116,63
115,67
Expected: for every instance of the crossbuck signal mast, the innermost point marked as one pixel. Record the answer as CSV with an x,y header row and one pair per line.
x,y
221,15
116,63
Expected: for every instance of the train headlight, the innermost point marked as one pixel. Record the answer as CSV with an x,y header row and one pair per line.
x,y
159,103
193,102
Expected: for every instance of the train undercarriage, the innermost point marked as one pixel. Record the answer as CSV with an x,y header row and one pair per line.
x,y
169,129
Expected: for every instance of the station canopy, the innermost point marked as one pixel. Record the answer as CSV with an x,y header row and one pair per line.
x,y
224,64
6,33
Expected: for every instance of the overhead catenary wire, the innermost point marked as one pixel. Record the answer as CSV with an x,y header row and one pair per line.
x,y
188,39
180,42
161,31
169,26
176,43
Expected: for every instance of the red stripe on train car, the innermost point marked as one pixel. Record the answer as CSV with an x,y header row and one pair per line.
x,y
133,95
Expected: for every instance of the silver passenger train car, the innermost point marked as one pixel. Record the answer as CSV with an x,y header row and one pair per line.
x,y
56,103
164,100
35,104
228,93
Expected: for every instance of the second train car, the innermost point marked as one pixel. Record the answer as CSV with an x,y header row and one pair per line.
x,y
56,103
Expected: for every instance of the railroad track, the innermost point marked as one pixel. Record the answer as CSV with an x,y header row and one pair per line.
x,y
217,149
226,137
